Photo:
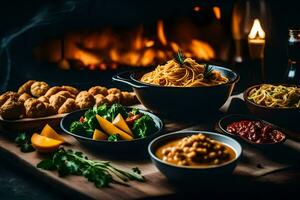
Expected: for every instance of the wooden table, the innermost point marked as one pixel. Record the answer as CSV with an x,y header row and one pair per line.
x,y
267,168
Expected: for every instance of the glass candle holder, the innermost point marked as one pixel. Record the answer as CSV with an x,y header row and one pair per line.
x,y
292,75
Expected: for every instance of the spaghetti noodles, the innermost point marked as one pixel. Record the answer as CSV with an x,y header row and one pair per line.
x,y
276,96
187,74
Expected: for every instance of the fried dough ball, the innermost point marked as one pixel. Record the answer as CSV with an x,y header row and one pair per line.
x,y
100,99
52,91
44,99
26,87
50,109
98,90
119,96
66,94
23,97
35,108
70,89
39,88
84,100
12,109
129,98
112,98
68,106
8,95
57,100
113,91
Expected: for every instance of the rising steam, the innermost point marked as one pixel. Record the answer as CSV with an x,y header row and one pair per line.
x,y
46,16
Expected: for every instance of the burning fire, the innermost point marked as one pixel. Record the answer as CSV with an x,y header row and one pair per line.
x,y
106,49
217,12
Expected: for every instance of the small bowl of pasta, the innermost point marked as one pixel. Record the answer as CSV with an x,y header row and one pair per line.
x,y
181,87
279,103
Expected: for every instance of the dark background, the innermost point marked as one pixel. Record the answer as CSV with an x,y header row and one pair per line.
x,y
13,14
283,14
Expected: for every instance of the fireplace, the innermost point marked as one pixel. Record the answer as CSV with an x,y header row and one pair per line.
x,y
140,46
89,41
83,41
198,31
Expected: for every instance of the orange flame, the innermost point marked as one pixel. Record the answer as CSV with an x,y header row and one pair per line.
x,y
161,33
217,12
87,58
107,49
149,43
202,50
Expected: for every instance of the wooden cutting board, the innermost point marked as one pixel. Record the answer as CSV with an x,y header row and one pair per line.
x,y
156,184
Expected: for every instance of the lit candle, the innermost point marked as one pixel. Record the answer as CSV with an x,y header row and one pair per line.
x,y
256,41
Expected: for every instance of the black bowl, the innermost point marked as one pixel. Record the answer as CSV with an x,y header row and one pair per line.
x,y
180,173
107,146
228,119
287,117
180,101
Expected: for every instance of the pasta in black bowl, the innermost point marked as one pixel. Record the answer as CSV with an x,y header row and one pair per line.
x,y
182,90
275,96
184,73
277,103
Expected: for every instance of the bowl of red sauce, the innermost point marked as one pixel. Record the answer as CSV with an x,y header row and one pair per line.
x,y
251,129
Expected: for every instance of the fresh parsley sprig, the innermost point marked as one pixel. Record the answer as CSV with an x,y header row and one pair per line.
x,y
101,173
23,141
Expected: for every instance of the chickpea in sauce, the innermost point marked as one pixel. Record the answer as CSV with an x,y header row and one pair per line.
x,y
195,150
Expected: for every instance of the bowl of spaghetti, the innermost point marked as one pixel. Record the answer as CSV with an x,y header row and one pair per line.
x,y
279,103
181,87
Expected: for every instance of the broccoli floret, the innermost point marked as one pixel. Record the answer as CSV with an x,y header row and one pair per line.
x,y
114,138
143,126
102,110
81,129
89,113
89,132
93,123
114,110
77,127
135,111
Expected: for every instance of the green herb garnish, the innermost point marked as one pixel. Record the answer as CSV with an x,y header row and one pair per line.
x,y
207,71
23,141
179,57
101,173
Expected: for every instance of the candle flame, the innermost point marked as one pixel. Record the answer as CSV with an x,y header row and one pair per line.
x,y
256,31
